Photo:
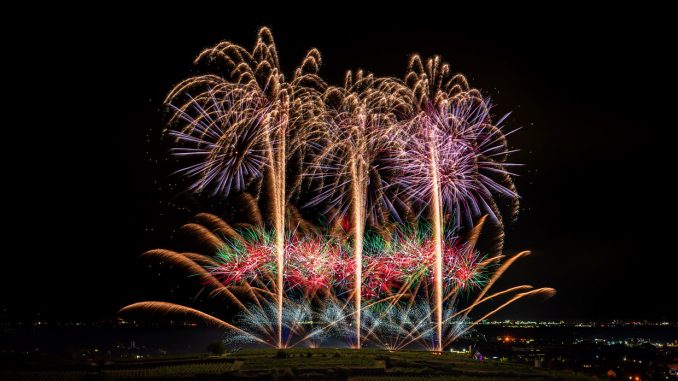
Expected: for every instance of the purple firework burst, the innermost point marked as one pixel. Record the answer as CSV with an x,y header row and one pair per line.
x,y
223,136
459,143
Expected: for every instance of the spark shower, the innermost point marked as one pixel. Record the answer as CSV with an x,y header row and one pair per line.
x,y
360,206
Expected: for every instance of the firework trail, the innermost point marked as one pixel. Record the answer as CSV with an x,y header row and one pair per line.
x,y
445,167
342,168
171,308
451,146
237,124
349,171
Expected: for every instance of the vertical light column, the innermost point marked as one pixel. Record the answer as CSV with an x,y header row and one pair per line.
x,y
436,221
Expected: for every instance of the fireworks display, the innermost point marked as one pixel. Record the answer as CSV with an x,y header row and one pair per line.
x,y
363,203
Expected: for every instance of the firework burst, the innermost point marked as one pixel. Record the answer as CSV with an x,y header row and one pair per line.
x,y
463,143
222,133
385,173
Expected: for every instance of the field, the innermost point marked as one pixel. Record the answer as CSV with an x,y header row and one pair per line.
x,y
303,364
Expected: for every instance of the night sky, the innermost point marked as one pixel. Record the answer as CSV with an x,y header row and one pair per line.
x,y
590,93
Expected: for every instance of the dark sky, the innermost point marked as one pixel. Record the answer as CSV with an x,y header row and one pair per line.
x,y
591,93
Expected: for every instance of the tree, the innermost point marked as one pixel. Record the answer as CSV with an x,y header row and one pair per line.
x,y
217,347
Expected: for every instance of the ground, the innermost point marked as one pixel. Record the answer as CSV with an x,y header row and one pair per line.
x,y
304,364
